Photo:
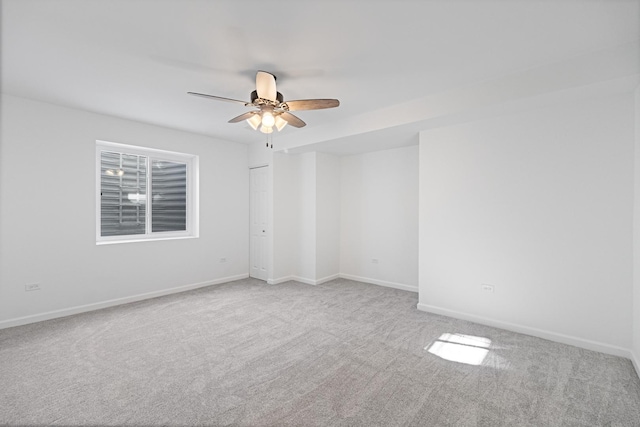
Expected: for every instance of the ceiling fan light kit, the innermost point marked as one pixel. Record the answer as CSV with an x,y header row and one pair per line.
x,y
272,110
254,121
280,123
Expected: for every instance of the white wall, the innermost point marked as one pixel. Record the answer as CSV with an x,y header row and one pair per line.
x,y
538,204
294,218
306,217
286,215
333,214
260,154
327,216
636,240
306,201
379,217
48,218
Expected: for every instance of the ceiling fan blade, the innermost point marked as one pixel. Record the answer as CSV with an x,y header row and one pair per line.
x,y
219,98
292,120
266,85
312,104
242,117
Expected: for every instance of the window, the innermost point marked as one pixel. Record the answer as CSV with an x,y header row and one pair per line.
x,y
144,194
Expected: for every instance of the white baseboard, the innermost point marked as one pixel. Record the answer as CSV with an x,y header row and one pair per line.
x,y
540,333
394,285
636,363
110,303
294,278
343,276
327,279
314,281
280,280
302,280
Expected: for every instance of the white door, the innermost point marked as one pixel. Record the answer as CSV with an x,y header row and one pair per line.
x,y
259,220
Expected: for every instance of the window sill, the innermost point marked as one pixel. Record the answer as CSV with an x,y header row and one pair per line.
x,y
153,239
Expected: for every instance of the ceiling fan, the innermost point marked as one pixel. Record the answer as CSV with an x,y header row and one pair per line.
x,y
272,110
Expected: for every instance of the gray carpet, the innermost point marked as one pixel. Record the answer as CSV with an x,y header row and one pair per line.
x,y
339,354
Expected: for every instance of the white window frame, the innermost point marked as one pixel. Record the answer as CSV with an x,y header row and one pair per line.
x,y
192,162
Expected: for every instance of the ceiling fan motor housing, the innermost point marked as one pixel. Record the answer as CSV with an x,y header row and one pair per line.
x,y
279,97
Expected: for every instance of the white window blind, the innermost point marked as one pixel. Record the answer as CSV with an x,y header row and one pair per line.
x,y
169,196
145,194
123,191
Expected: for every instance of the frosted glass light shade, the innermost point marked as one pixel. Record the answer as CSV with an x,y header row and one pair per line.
x,y
254,121
268,119
280,123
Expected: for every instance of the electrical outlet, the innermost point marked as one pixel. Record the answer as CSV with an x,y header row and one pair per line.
x,y
32,287
487,288
374,261
223,260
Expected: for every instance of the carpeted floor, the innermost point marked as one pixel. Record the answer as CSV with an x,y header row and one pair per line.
x,y
339,354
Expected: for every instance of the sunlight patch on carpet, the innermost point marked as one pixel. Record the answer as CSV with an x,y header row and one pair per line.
x,y
460,348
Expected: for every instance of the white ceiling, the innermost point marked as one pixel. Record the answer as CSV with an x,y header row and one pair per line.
x,y
136,59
